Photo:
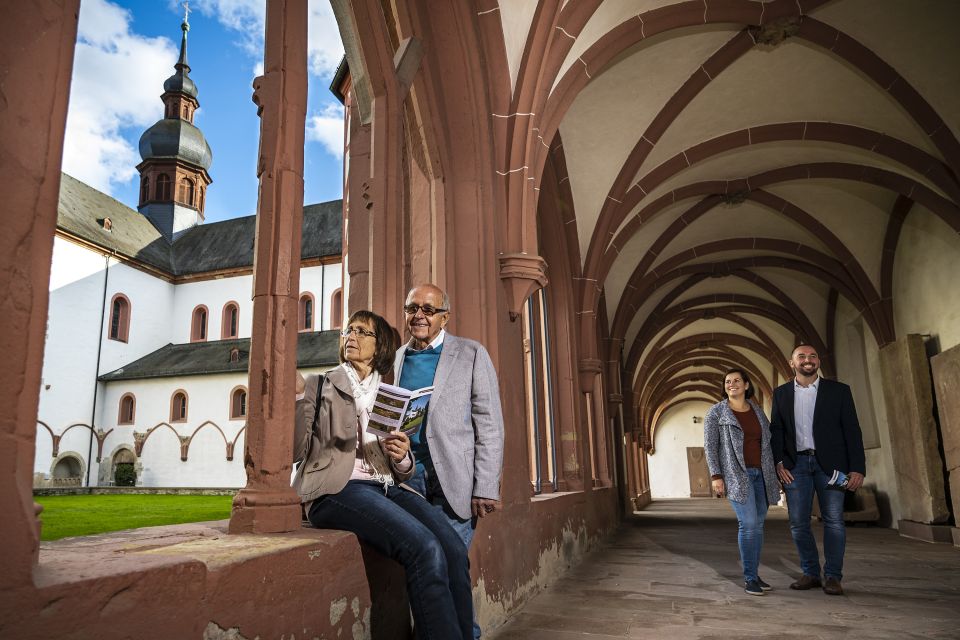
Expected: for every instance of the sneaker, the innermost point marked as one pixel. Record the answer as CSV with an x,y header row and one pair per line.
x,y
764,585
753,588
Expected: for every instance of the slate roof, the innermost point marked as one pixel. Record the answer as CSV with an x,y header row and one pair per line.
x,y
206,247
315,349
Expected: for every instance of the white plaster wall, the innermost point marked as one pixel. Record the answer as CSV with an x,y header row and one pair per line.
x,y
669,476
76,336
926,290
214,294
160,313
321,281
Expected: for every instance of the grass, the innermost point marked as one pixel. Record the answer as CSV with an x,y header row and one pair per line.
x,y
65,516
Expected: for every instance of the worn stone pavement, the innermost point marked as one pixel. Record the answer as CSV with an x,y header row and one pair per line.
x,y
672,572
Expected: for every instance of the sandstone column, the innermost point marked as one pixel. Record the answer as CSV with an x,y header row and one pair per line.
x,y
267,504
36,46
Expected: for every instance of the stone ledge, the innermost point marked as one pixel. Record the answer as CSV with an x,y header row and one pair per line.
x,y
188,581
925,532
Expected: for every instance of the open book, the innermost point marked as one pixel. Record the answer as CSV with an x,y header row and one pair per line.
x,y
396,408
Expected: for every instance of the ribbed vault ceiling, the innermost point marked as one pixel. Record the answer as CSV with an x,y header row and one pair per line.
x,y
737,168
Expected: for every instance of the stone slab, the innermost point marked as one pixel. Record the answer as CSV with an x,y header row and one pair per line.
x,y
918,468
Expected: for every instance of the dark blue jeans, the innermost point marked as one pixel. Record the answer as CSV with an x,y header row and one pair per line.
x,y
403,526
751,516
428,485
808,478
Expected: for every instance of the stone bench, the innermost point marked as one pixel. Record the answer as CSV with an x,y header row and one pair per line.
x,y
200,582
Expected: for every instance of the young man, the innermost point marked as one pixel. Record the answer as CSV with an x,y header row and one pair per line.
x,y
814,432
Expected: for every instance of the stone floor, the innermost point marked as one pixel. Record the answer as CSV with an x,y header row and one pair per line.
x,y
672,572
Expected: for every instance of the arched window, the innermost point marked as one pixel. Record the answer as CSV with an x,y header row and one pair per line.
x,y
231,321
200,193
119,327
128,409
144,189
178,406
238,403
305,315
198,324
336,308
185,192
163,187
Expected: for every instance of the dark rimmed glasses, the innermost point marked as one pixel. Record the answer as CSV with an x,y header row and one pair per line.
x,y
428,310
360,332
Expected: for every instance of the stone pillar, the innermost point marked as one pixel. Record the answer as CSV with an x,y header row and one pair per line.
x,y
946,381
36,46
268,504
913,433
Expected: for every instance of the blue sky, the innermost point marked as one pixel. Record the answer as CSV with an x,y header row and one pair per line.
x,y
127,48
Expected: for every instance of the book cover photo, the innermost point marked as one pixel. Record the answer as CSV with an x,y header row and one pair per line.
x,y
398,409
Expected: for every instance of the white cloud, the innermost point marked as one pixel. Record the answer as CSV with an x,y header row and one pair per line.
x,y
324,46
117,80
248,19
327,129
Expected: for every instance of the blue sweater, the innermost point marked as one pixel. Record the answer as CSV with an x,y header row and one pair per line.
x,y
419,369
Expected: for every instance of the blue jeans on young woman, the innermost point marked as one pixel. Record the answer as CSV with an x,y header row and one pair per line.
x,y
751,516
808,478
402,525
427,483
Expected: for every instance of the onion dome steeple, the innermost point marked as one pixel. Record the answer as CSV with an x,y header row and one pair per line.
x,y
176,156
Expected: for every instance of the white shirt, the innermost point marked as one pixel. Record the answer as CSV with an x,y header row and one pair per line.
x,y
804,402
436,341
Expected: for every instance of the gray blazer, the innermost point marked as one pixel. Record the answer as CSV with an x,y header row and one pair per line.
x,y
464,423
327,450
723,446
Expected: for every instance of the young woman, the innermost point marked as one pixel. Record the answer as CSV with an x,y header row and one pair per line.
x,y
349,480
736,440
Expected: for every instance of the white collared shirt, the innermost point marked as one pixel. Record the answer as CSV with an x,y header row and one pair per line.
x,y
436,341
804,402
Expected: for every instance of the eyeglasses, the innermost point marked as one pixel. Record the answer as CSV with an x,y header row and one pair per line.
x,y
357,331
427,309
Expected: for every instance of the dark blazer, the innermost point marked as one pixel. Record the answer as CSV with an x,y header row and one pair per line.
x,y
836,431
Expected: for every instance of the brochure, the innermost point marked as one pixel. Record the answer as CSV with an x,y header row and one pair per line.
x,y
838,480
396,408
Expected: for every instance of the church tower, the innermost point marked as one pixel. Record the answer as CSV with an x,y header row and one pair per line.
x,y
176,156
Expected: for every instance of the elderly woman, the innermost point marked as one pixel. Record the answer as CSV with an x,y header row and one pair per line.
x,y
736,440
348,479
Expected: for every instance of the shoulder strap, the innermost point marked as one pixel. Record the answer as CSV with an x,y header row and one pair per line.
x,y
316,413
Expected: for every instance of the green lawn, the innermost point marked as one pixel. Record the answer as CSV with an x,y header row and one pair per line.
x,y
65,516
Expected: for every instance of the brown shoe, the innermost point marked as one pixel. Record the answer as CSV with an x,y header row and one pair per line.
x,y
831,587
806,582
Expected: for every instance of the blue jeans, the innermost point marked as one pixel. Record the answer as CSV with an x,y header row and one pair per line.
x,y
427,483
807,478
751,516
401,525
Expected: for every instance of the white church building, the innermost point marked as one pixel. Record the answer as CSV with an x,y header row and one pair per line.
x,y
148,334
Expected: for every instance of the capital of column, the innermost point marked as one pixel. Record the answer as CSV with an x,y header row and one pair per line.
x,y
590,368
522,274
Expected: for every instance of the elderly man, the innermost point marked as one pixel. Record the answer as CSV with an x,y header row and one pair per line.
x,y
459,450
814,432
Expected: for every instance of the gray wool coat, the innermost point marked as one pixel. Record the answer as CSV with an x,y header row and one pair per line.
x,y
723,446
